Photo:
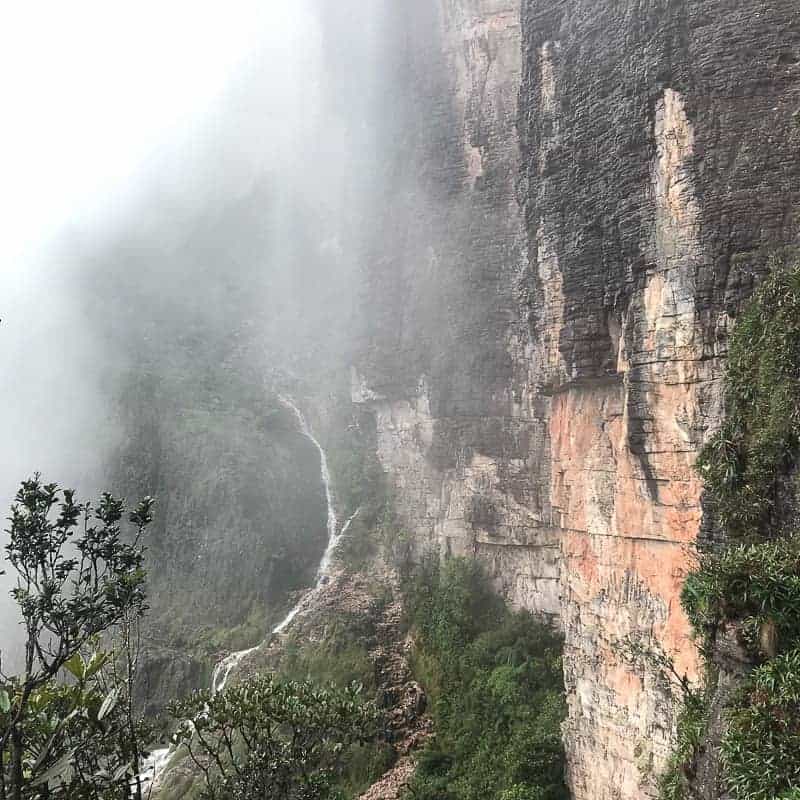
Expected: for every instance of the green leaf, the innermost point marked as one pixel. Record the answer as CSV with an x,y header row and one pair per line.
x,y
5,702
108,704
96,663
76,666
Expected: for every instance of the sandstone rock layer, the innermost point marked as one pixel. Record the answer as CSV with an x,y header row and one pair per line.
x,y
586,191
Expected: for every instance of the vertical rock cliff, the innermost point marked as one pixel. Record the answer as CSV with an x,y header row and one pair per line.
x,y
659,164
581,196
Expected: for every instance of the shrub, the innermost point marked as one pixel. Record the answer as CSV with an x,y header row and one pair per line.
x,y
761,749
743,463
691,730
341,659
273,738
750,584
68,727
496,685
754,584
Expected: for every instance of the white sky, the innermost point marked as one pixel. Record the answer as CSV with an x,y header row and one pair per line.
x,y
90,90
102,101
108,109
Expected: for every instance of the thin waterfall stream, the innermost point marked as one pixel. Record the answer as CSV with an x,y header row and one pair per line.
x,y
219,679
223,670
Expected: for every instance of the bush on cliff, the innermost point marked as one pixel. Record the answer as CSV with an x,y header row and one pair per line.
x,y
761,751
752,586
495,681
755,586
744,463
274,738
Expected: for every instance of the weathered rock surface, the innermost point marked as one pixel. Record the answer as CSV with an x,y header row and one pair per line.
x,y
585,194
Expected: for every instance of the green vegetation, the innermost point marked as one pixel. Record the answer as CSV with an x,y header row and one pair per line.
x,y
495,682
67,723
332,665
242,520
761,750
338,660
341,659
755,586
752,587
353,462
361,484
231,469
241,524
691,733
210,642
68,728
274,738
744,463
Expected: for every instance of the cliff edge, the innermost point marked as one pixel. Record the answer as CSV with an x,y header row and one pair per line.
x,y
584,195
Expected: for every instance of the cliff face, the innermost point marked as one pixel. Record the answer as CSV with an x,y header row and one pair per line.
x,y
654,188
584,195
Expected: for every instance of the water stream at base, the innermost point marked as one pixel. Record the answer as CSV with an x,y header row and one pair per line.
x,y
158,758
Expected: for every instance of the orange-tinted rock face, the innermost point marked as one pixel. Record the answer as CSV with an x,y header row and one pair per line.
x,y
631,173
614,180
625,556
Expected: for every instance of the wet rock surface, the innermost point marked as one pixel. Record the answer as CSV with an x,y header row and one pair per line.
x,y
588,194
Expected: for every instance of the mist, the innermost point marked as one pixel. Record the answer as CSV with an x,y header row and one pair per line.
x,y
194,175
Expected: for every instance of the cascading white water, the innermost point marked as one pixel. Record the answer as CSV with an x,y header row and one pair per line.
x,y
158,758
326,482
223,670
322,576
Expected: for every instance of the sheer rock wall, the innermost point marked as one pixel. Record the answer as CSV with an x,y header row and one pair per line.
x,y
585,193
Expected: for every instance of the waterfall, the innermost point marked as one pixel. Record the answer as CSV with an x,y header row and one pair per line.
x,y
223,670
326,482
219,679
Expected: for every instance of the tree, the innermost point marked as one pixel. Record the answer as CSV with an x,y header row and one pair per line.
x,y
272,738
496,685
67,724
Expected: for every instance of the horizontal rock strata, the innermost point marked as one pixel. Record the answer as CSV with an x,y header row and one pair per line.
x,y
589,192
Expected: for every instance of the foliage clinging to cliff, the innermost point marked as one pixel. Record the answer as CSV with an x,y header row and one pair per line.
x,y
752,588
761,751
754,585
744,462
495,679
691,731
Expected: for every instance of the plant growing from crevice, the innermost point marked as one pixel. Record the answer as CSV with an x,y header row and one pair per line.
x,y
755,587
745,461
690,733
761,748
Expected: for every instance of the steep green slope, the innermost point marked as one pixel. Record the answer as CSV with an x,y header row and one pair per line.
x,y
495,683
